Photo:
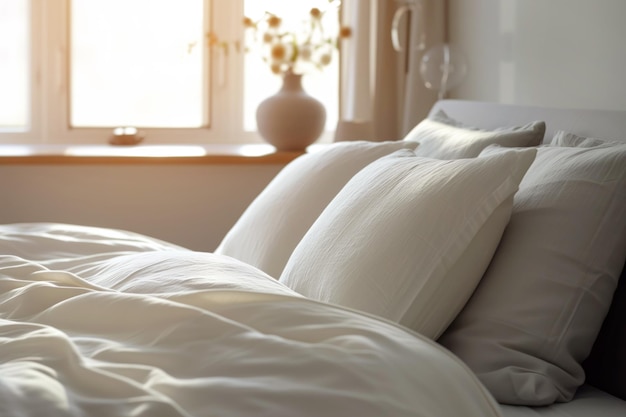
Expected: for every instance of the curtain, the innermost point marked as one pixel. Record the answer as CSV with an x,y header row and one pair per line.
x,y
382,95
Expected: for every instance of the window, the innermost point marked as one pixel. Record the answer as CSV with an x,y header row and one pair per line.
x,y
72,70
125,69
15,68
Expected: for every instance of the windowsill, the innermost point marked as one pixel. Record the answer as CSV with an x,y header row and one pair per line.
x,y
145,154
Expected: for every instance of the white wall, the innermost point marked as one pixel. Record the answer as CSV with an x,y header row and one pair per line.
x,y
191,205
559,53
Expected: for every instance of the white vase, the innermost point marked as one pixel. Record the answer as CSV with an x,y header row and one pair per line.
x,y
291,120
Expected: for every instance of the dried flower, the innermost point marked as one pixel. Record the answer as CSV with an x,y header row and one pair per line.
x,y
212,38
273,21
213,41
306,52
296,50
268,37
247,22
278,52
325,59
275,68
316,13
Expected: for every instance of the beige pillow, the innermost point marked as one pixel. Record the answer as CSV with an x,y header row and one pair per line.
x,y
273,224
408,238
536,312
445,138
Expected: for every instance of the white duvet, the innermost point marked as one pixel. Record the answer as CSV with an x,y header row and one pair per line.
x,y
98,322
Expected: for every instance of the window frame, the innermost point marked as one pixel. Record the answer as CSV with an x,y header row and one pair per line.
x,y
50,84
34,128
209,133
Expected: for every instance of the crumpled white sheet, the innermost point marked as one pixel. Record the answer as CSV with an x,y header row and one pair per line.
x,y
107,323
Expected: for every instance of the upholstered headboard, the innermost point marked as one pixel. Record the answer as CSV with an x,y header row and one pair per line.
x,y
606,366
603,124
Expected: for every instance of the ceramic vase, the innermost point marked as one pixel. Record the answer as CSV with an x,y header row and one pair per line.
x,y
291,119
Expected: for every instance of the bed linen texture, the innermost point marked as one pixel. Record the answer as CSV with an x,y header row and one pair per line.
x,y
96,322
589,401
538,309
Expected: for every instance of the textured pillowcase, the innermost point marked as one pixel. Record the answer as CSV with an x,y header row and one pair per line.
x,y
537,311
273,224
445,138
571,140
605,368
391,242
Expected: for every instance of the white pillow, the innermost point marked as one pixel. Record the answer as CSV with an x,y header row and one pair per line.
x,y
445,138
393,241
273,224
562,138
536,313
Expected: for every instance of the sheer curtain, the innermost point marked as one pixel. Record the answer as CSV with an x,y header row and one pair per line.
x,y
382,94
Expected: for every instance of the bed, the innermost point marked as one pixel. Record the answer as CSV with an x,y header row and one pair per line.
x,y
472,268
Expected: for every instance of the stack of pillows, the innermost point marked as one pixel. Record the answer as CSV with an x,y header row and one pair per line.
x,y
504,250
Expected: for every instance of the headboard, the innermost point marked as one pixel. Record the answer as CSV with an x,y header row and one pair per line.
x,y
602,124
606,365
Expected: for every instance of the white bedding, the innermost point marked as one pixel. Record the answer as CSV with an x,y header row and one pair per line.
x,y
589,402
101,323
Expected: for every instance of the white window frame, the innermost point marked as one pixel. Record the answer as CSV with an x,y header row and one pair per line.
x,y
33,131
49,93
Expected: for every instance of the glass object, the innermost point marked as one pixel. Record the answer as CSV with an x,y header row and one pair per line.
x,y
137,63
260,83
410,8
14,65
442,68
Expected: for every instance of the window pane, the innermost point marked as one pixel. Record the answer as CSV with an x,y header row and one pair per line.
x,y
137,63
14,64
260,83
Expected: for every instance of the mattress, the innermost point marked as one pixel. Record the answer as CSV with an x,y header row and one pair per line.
x,y
589,402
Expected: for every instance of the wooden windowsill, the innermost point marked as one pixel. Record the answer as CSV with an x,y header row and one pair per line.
x,y
144,154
